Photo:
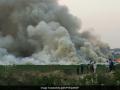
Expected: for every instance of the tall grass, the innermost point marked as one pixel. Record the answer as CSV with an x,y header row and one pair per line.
x,y
56,75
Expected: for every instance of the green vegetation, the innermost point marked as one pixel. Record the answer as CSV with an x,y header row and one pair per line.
x,y
57,75
117,56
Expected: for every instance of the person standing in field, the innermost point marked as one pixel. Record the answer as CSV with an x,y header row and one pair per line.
x,y
88,67
94,66
107,66
111,65
82,68
91,66
78,70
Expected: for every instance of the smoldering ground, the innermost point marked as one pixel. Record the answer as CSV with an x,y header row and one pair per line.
x,y
43,32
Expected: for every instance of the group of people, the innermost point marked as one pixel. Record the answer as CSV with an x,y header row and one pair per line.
x,y
92,66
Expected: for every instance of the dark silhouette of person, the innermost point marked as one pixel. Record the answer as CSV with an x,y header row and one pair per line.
x,y
111,65
88,68
82,68
91,67
78,71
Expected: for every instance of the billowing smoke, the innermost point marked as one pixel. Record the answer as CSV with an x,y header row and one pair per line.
x,y
93,48
43,32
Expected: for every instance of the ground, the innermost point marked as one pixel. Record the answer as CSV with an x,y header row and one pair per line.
x,y
57,75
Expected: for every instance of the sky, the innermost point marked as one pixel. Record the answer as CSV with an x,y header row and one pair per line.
x,y
102,16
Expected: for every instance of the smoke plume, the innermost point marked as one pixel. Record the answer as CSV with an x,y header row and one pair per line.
x,y
43,32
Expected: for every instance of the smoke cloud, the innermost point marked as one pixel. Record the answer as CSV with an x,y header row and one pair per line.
x,y
43,32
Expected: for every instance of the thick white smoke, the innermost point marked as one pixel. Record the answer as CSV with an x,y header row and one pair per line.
x,y
43,32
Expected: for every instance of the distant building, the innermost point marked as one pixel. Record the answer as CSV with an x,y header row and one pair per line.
x,y
116,51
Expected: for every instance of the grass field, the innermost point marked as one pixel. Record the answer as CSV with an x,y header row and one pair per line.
x,y
57,75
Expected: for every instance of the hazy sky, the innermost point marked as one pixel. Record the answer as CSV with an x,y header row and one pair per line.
x,y
102,15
